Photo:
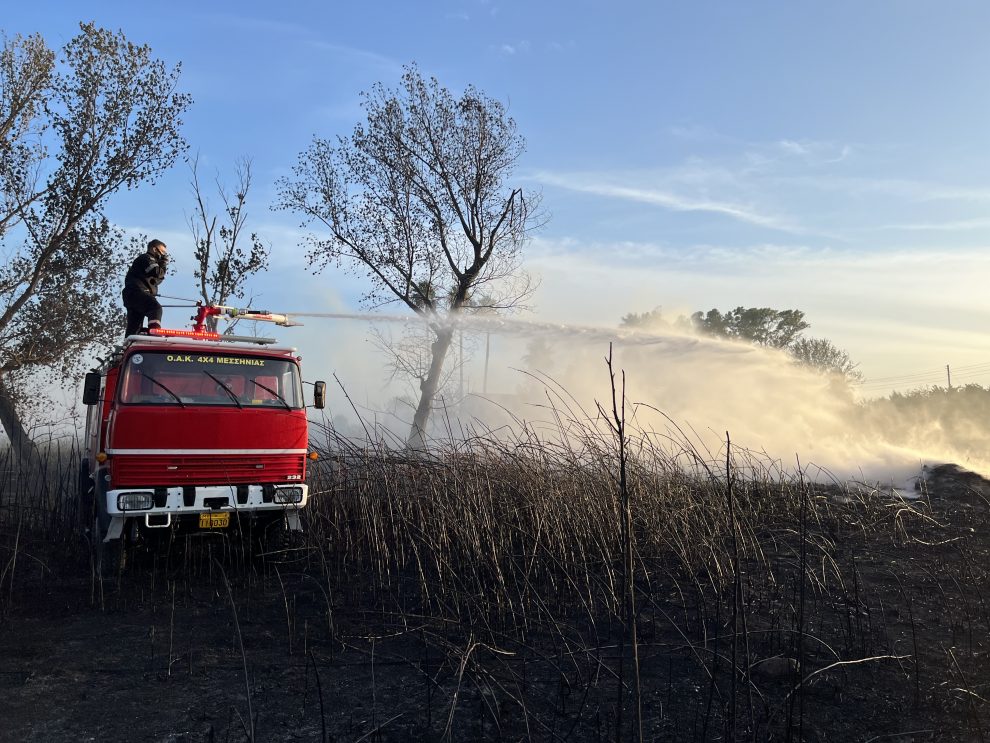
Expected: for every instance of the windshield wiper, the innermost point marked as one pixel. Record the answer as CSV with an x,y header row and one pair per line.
x,y
155,381
266,388
226,389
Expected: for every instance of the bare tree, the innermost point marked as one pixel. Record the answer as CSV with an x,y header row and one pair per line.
x,y
417,199
106,117
223,263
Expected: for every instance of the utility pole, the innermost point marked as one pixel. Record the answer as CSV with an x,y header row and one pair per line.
x,y
948,376
488,346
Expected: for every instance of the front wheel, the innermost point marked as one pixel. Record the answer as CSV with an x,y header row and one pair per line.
x,y
109,558
273,539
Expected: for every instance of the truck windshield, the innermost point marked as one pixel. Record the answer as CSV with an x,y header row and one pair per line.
x,y
187,378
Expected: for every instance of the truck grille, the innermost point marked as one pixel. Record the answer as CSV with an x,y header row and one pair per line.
x,y
149,470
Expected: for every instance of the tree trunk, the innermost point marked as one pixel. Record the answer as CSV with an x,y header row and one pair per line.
x,y
24,450
428,390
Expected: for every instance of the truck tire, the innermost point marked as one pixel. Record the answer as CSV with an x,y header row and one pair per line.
x,y
271,540
109,558
106,555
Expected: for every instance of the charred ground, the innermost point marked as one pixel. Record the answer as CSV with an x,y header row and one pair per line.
x,y
480,596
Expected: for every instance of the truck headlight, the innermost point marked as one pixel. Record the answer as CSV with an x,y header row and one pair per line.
x,y
288,495
140,501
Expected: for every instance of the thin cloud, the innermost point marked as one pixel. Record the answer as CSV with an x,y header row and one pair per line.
x,y
845,152
795,148
699,256
671,201
814,152
960,225
362,56
304,35
265,26
509,49
911,190
957,193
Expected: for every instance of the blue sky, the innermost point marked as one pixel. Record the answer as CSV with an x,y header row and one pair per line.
x,y
831,157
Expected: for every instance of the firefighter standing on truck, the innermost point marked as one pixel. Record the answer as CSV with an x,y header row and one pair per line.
x,y
141,287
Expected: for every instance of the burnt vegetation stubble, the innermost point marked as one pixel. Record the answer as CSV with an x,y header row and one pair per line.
x,y
486,592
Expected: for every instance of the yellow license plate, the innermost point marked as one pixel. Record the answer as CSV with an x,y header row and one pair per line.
x,y
219,520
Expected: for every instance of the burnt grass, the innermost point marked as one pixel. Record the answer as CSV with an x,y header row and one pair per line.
x,y
483,594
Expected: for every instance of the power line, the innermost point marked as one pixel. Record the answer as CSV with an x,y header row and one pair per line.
x,y
970,375
906,378
964,372
972,367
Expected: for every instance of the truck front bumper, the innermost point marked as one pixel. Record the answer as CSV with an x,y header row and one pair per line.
x,y
159,507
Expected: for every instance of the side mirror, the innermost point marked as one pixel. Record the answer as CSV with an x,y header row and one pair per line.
x,y
91,388
319,394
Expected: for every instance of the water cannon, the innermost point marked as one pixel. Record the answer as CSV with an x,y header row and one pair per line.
x,y
276,317
204,311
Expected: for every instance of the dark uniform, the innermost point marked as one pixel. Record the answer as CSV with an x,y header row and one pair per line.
x,y
141,289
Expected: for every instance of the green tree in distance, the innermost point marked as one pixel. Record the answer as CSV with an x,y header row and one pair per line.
x,y
762,326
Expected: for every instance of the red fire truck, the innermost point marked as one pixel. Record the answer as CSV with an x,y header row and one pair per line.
x,y
192,430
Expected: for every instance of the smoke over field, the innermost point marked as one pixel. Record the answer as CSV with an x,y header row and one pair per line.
x,y
685,390
766,403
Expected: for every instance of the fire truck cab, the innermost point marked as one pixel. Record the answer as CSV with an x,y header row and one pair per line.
x,y
186,430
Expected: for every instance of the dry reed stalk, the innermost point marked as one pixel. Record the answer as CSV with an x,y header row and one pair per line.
x,y
249,726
